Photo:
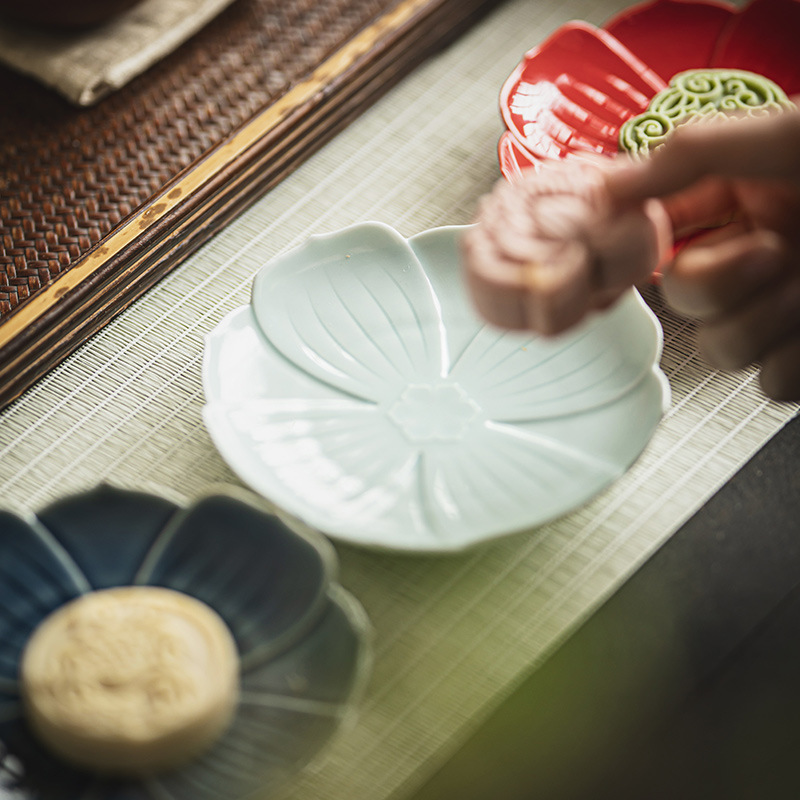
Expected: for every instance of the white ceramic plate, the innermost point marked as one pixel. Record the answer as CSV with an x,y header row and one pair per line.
x,y
360,393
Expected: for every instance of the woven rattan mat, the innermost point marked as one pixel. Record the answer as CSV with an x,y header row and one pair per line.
x,y
97,204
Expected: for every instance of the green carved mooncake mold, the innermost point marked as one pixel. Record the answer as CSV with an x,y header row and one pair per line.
x,y
704,93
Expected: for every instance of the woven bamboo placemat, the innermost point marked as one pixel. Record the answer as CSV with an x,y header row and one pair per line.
x,y
96,205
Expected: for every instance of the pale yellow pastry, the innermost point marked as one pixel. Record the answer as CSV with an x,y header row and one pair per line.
x,y
130,680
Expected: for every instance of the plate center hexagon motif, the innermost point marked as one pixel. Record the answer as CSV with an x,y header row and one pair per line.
x,y
426,412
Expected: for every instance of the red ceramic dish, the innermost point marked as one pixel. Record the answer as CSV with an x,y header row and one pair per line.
x,y
570,95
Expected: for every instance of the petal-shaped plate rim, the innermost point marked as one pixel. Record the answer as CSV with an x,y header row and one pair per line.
x,y
298,512
544,51
362,246
346,710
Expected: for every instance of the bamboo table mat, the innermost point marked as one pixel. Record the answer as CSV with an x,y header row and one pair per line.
x,y
96,205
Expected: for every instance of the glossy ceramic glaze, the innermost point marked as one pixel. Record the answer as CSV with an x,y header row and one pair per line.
x,y
360,393
570,95
302,641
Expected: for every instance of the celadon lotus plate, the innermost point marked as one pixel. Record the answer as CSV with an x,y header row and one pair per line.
x,y
360,393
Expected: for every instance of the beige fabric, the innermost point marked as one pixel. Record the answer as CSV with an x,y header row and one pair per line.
x,y
452,634
86,66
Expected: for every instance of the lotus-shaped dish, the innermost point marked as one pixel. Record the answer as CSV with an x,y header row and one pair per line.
x,y
360,393
570,96
302,640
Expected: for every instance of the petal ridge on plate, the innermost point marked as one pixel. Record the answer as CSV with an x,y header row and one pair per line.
x,y
354,309
348,460
255,757
514,159
107,531
519,377
505,470
291,705
578,65
36,577
302,678
268,583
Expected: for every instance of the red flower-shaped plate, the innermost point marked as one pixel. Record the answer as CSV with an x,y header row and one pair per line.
x,y
570,95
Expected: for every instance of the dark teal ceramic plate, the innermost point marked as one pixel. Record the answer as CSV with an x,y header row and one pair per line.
x,y
302,640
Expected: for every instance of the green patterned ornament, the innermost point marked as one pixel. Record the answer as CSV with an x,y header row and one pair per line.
x,y
696,94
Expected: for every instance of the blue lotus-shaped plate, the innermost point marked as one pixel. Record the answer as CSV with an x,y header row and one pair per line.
x,y
361,393
302,640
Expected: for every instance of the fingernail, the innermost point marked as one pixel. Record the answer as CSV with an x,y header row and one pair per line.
x,y
662,226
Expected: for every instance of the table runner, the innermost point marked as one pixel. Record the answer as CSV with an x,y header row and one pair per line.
x,y
455,634
682,685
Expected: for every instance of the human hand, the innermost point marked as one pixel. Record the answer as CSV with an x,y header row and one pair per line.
x,y
742,279
549,248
